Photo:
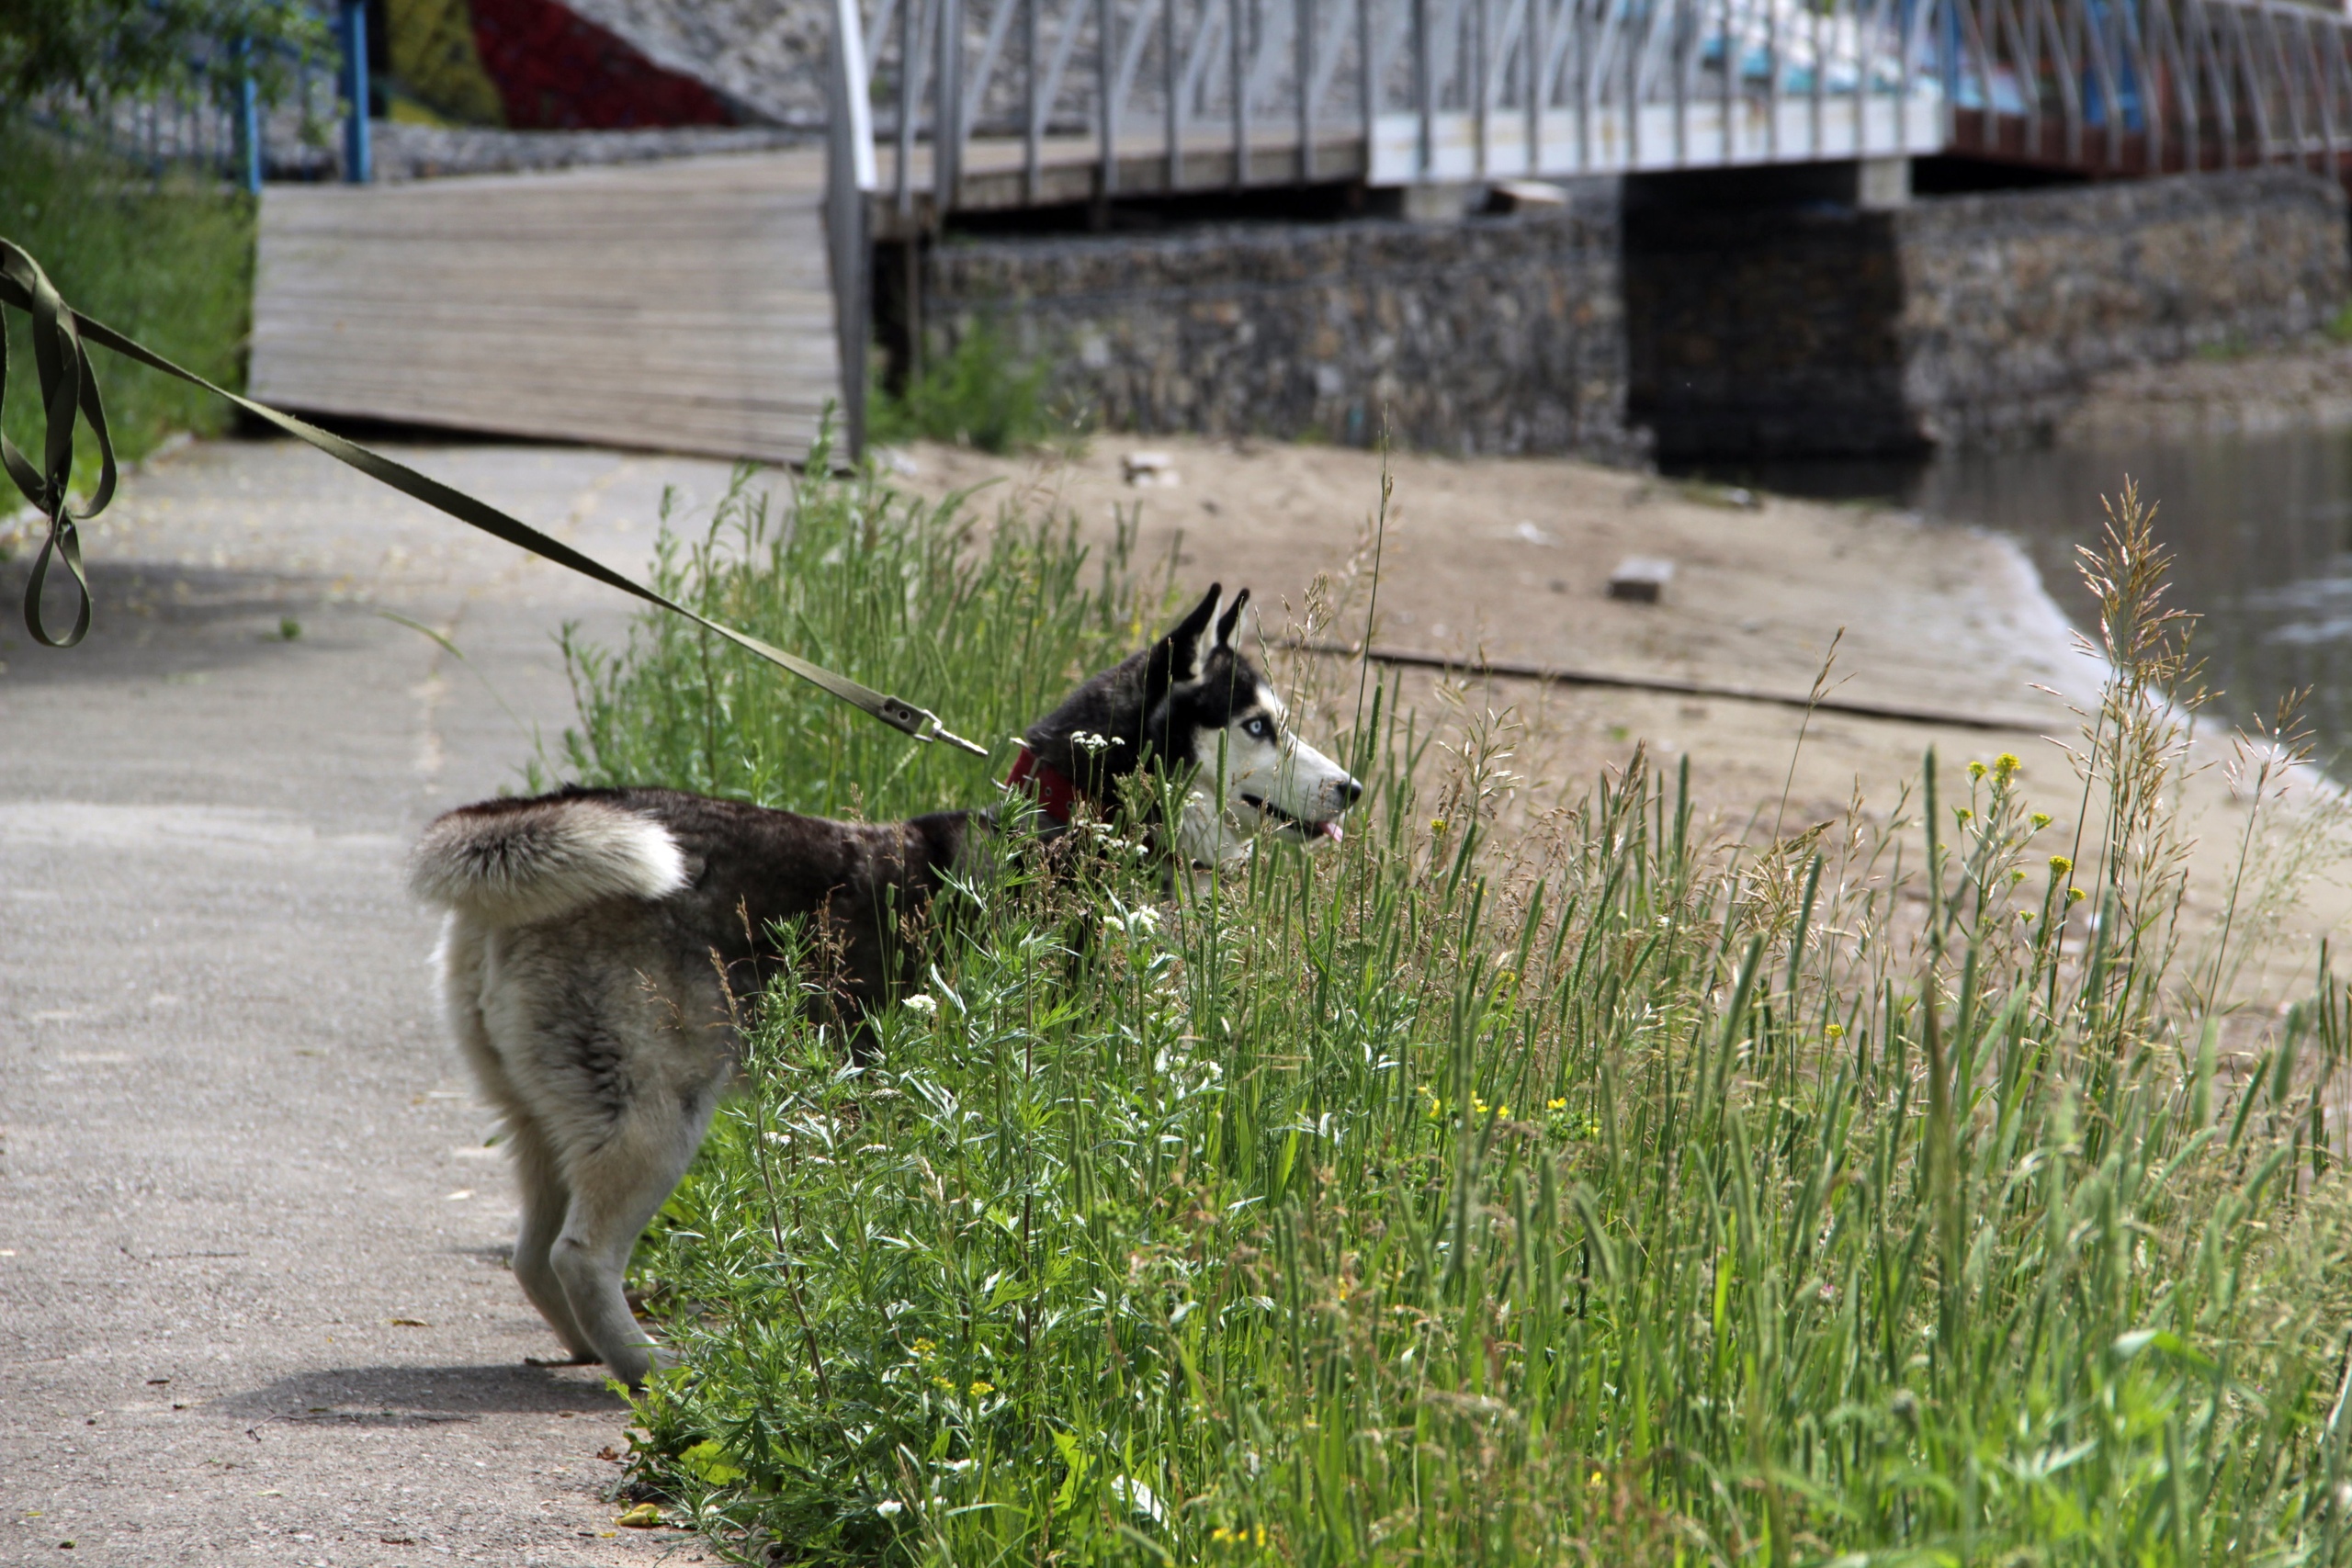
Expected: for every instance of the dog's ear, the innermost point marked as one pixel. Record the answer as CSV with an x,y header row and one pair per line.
x,y
1182,653
1230,622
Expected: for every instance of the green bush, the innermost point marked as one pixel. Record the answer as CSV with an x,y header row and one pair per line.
x,y
1593,1194
168,262
975,395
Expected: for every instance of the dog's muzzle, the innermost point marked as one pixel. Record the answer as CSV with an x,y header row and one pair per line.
x,y
1303,828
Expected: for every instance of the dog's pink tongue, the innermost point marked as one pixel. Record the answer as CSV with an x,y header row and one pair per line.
x,y
1334,832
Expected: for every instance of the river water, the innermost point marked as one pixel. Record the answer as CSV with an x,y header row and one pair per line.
x,y
2260,526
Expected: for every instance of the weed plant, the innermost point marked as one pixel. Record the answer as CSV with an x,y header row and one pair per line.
x,y
167,259
1596,1193
974,395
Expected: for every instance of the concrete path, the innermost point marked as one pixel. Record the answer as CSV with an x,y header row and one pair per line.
x,y
254,1301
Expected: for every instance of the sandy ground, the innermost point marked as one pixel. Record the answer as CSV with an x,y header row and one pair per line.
x,y
253,1300
1512,558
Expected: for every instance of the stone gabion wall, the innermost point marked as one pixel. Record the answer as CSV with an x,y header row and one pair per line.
x,y
1763,331
2011,302
1494,335
1823,332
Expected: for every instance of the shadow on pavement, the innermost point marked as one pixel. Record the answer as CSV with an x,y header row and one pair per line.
x,y
404,1396
154,618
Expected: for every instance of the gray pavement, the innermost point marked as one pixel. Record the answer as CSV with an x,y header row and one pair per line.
x,y
254,1301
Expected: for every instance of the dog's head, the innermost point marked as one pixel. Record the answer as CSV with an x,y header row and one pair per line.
x,y
1195,702
1208,704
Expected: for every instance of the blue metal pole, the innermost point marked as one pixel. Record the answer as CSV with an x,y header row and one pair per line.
x,y
249,121
357,161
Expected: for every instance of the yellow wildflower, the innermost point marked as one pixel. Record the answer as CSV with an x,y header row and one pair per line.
x,y
2006,767
1975,770
2075,896
981,1387
2040,819
1560,1105
1836,1031
2060,865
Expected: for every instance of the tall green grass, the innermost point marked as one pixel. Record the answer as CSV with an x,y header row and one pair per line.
x,y
1594,1193
168,260
988,623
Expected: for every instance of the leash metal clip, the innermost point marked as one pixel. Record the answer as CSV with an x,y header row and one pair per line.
x,y
939,731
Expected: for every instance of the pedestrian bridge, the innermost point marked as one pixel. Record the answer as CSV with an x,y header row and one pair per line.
x,y
685,306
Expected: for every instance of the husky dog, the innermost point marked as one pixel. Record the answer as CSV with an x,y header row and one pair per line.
x,y
601,946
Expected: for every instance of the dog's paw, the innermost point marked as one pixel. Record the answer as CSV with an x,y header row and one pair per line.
x,y
580,1359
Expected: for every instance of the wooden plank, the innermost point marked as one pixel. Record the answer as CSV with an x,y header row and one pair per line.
x,y
681,306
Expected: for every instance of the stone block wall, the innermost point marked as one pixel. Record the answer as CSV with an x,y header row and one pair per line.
x,y
2011,302
1490,335
1787,328
1826,332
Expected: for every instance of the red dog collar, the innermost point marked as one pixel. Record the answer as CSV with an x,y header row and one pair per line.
x,y
1055,795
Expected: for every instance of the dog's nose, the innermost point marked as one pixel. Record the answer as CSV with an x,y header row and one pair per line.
x,y
1350,793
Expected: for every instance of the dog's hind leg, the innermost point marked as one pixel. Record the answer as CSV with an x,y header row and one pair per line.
x,y
545,1204
465,961
616,1187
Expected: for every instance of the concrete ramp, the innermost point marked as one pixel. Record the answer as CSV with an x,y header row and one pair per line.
x,y
678,305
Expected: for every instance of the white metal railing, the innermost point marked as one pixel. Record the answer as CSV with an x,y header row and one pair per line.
x,y
849,180
1204,94
1208,93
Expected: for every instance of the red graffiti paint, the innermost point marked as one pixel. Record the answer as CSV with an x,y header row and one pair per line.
x,y
558,71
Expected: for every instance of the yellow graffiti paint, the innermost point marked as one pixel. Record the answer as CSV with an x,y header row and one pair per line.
x,y
436,59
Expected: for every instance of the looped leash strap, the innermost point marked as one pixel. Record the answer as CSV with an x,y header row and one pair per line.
x,y
67,384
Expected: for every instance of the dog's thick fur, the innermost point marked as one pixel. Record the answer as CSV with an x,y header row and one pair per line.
x,y
602,945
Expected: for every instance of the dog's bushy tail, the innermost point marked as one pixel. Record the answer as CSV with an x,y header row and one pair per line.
x,y
509,862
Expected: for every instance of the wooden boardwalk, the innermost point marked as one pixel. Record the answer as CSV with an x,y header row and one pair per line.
x,y
679,306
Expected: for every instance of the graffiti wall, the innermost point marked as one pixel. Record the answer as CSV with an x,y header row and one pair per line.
x,y
532,65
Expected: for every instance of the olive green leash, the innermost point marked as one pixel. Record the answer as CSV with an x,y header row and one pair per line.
x,y
69,387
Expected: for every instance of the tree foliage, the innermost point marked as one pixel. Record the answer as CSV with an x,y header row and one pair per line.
x,y
93,48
